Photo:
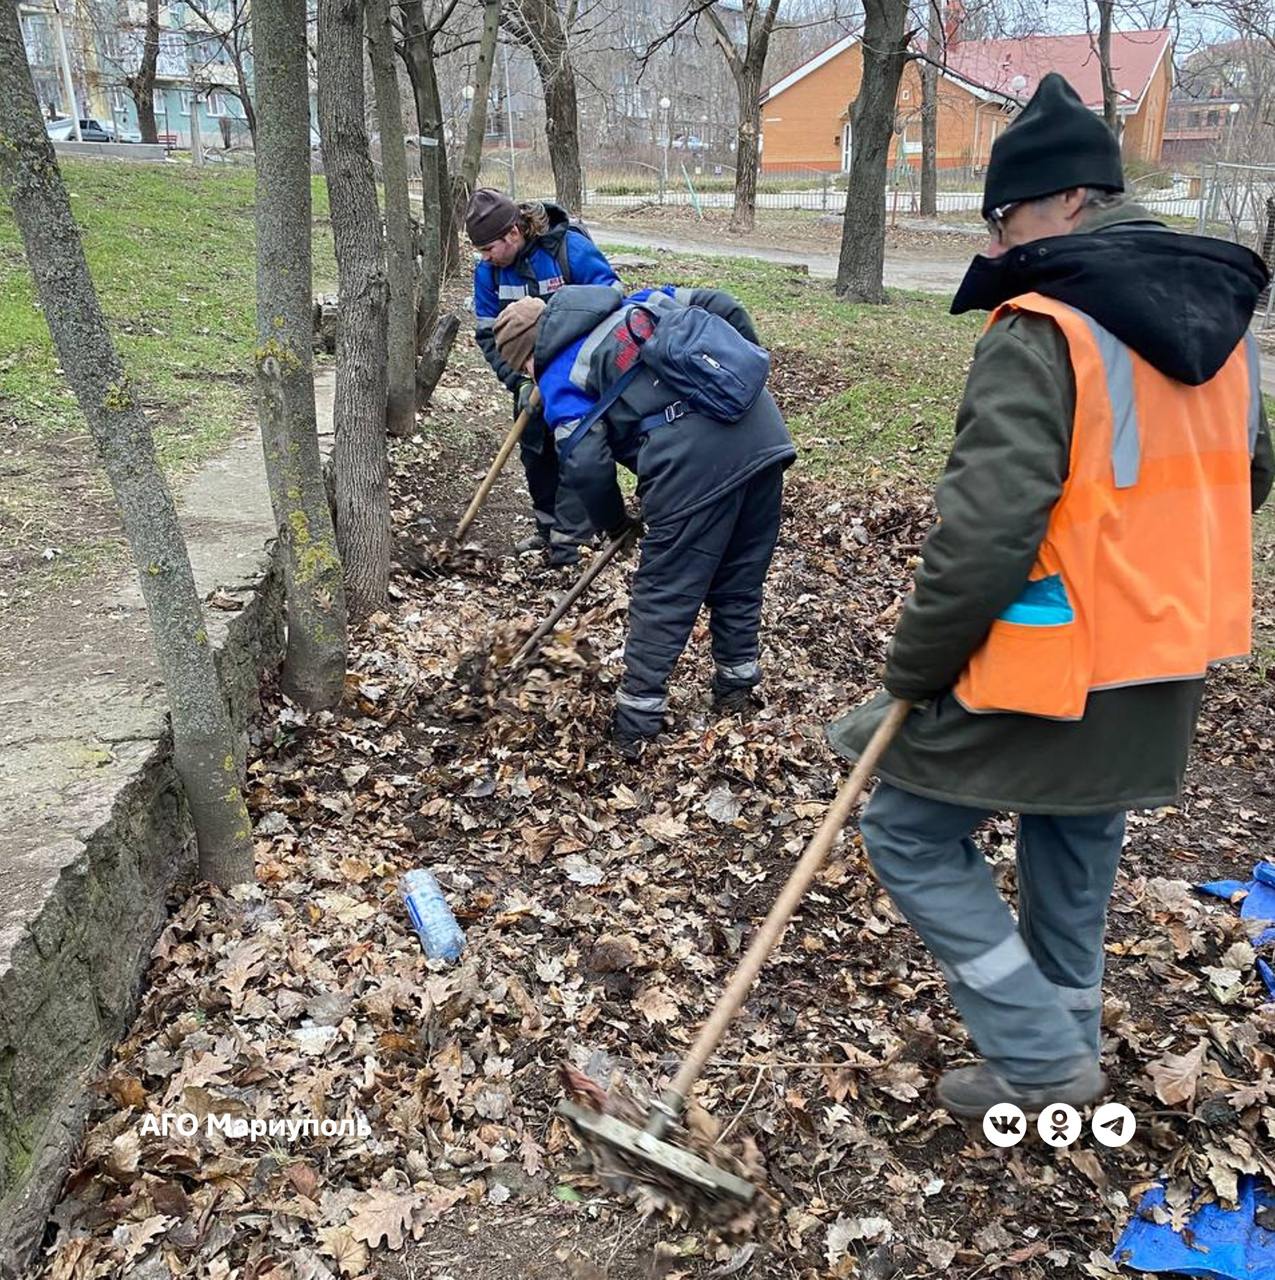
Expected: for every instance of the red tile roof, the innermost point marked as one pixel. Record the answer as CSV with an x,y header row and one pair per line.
x,y
996,64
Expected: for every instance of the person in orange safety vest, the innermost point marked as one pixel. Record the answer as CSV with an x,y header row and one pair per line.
x,y
1092,559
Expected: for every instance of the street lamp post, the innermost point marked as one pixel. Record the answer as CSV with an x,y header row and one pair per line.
x,y
68,84
667,107
1233,110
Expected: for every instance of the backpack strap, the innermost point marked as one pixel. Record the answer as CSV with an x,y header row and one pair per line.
x,y
669,414
563,256
605,401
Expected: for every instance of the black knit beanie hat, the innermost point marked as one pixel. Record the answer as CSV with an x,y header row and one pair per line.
x,y
490,214
1056,143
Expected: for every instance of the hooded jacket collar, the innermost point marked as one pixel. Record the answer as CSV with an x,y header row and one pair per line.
x,y
1182,302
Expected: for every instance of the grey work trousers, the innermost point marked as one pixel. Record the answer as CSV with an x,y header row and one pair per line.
x,y
1029,992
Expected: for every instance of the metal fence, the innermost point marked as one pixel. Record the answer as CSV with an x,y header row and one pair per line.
x,y
1235,202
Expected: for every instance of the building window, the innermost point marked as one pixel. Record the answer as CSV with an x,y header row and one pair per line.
x,y
119,100
185,101
38,34
215,106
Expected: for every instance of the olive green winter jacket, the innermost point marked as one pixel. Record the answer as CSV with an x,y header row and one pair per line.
x,y
1182,302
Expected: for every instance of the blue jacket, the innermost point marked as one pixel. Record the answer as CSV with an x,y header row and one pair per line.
x,y
582,347
563,255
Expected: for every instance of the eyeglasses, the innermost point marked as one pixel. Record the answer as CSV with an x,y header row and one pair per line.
x,y
996,219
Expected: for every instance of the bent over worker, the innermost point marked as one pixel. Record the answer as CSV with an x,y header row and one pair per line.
x,y
528,251
1092,558
710,491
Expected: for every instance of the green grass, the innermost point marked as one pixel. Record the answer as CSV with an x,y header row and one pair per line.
x,y
172,254
895,372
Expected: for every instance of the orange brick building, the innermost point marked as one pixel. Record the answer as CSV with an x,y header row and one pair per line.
x,y
806,115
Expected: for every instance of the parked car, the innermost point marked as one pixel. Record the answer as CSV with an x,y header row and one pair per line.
x,y
90,131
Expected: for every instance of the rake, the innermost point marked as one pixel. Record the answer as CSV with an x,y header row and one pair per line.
x,y
498,465
646,1146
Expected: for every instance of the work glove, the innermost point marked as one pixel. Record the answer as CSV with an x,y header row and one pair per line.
x,y
523,394
630,526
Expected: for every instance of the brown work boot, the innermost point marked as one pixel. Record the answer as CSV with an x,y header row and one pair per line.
x,y
970,1091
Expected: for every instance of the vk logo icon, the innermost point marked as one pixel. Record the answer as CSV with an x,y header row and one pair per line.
x,y
1004,1125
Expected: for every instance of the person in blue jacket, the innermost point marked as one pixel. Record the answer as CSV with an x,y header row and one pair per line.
x,y
528,251
710,491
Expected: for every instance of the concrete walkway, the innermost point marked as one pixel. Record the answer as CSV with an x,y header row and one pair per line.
x,y
926,275
81,700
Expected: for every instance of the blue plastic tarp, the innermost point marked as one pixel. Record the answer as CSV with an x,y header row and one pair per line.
x,y
1259,902
1226,1244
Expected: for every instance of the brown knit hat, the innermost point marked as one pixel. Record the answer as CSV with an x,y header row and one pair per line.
x,y
489,216
515,330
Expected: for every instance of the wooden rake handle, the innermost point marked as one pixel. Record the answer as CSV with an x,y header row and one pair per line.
x,y
498,465
768,935
599,562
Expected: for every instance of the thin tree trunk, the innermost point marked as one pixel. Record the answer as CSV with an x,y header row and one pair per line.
x,y
141,84
313,672
245,97
477,128
418,56
861,267
747,155
930,112
747,69
204,746
400,413
1110,100
196,139
447,219
537,26
562,131
361,464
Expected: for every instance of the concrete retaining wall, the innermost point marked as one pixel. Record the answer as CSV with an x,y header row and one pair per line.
x,y
94,831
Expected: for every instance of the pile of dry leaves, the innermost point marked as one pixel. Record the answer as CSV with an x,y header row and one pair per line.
x,y
605,904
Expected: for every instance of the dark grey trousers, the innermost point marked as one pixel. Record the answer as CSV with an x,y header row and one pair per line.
x,y
1029,992
718,556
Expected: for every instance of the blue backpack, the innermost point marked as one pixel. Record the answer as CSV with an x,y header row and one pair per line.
x,y
705,361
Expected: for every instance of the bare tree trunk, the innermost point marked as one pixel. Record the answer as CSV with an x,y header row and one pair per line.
x,y
1110,100
747,68
477,129
400,411
447,231
313,672
245,97
537,26
747,154
204,746
361,464
861,267
196,140
934,47
141,84
418,56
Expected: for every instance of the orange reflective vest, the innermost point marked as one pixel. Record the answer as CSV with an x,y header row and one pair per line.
x,y
1145,571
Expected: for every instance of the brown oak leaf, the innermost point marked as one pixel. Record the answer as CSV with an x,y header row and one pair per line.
x,y
384,1214
1176,1076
